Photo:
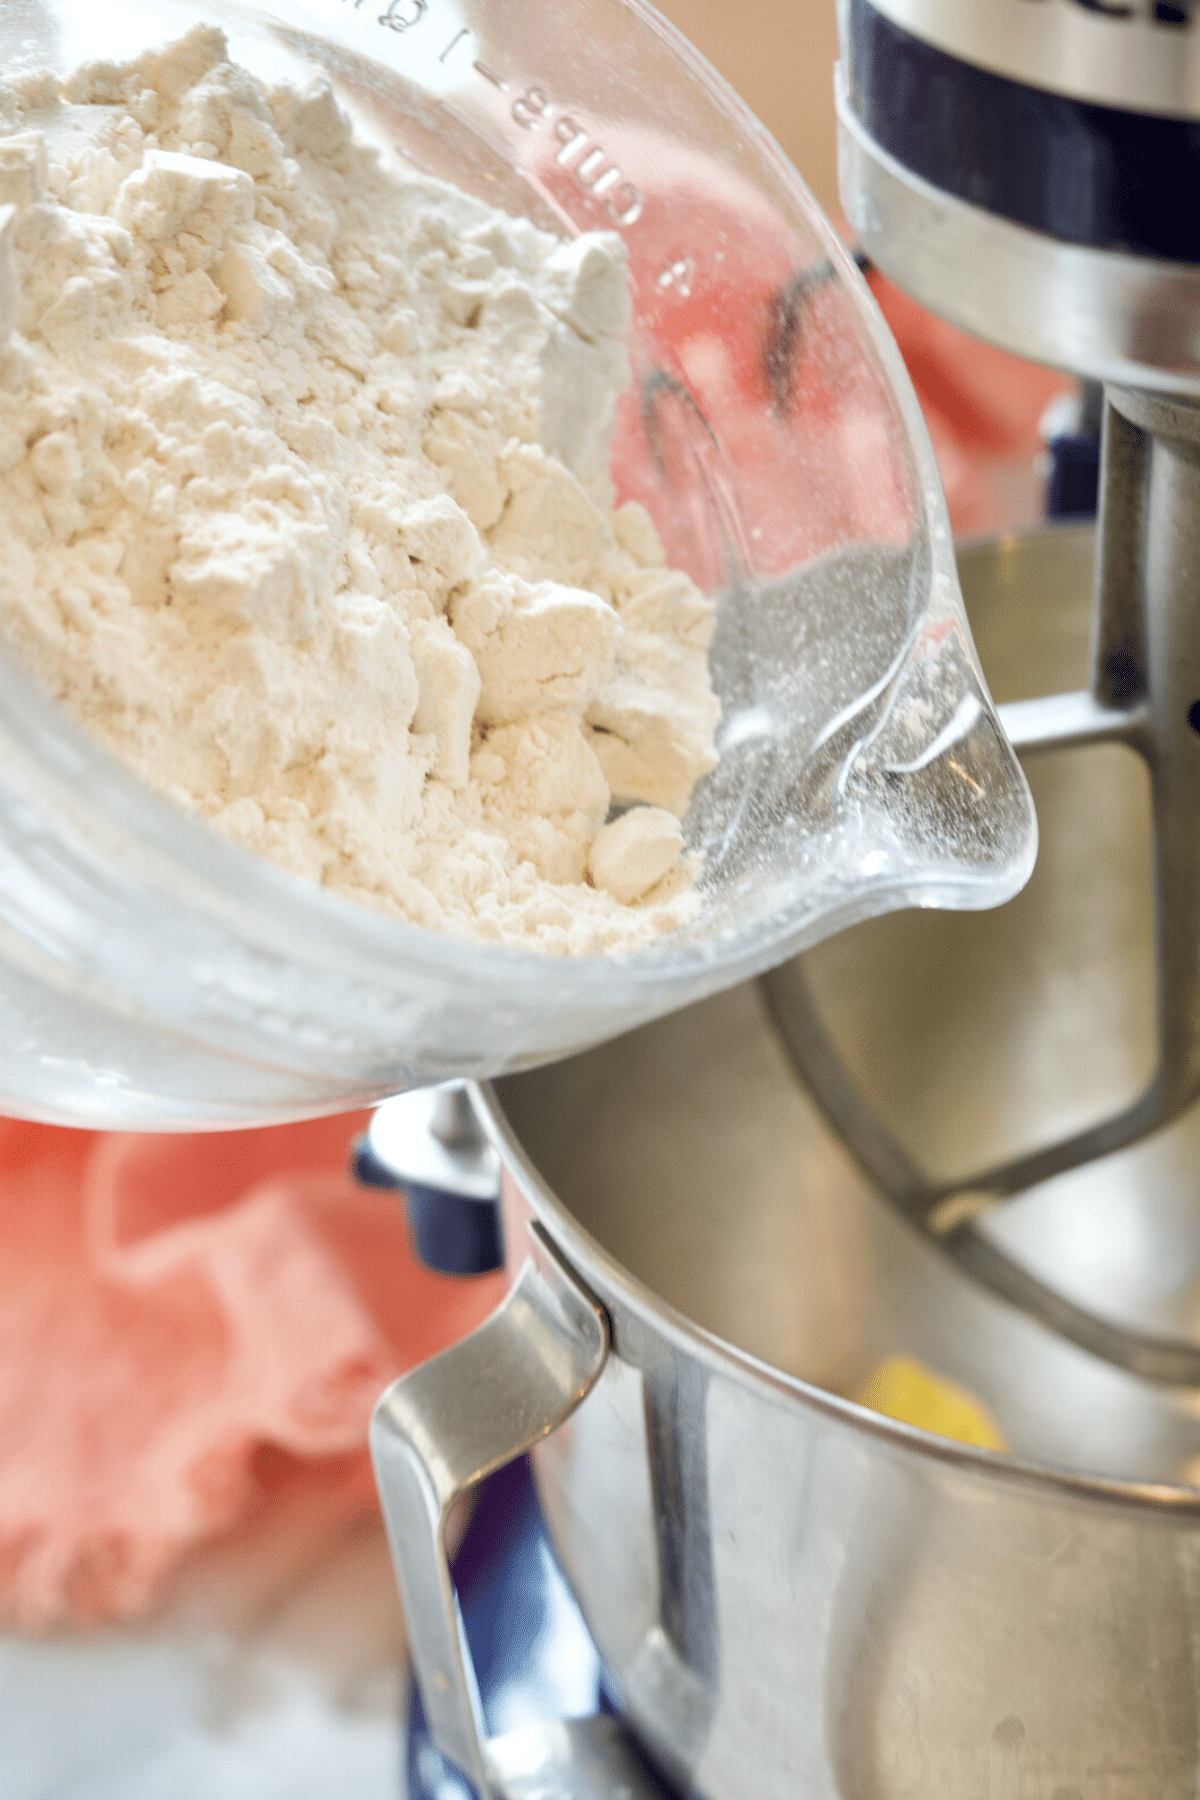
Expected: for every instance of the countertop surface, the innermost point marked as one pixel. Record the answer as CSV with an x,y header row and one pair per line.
x,y
240,1687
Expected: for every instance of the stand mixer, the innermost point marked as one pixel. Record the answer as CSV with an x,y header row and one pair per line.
x,y
786,1594
789,1596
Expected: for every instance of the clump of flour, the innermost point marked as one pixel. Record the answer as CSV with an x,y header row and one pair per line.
x,y
304,508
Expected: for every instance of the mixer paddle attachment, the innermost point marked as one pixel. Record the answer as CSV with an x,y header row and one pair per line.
x,y
1145,694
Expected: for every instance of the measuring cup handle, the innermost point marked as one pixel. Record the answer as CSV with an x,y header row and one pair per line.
x,y
448,1424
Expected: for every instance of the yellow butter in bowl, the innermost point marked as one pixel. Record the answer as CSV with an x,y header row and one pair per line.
x,y
904,1389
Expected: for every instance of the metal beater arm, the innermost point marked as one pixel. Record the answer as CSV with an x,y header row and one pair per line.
x,y
1145,694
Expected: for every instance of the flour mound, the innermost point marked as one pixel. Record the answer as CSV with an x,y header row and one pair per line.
x,y
305,514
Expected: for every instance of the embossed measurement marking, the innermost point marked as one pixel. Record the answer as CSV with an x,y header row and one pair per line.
x,y
678,275
591,167
401,15
480,68
587,162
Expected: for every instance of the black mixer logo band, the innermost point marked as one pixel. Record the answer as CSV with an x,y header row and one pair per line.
x,y
933,16
1158,12
1116,53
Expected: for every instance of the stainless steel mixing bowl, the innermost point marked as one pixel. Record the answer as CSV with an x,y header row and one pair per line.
x,y
794,1596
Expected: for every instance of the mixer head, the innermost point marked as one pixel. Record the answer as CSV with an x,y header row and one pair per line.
x,y
1029,172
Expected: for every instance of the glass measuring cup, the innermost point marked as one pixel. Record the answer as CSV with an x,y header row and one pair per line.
x,y
155,975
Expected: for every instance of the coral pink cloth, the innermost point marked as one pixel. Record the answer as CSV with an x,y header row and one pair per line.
x,y
191,1328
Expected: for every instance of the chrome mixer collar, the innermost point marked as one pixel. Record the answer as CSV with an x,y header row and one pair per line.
x,y
1027,170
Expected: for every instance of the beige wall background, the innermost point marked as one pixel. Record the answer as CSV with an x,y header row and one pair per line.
x,y
779,55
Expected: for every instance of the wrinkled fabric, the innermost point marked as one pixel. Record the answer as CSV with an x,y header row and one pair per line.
x,y
192,1330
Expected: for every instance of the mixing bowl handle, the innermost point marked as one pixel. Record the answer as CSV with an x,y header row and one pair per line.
x,y
436,1432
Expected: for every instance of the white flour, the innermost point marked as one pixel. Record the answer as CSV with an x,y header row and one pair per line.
x,y
304,509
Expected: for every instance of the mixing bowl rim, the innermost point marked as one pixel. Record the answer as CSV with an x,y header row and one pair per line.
x,y
597,1267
